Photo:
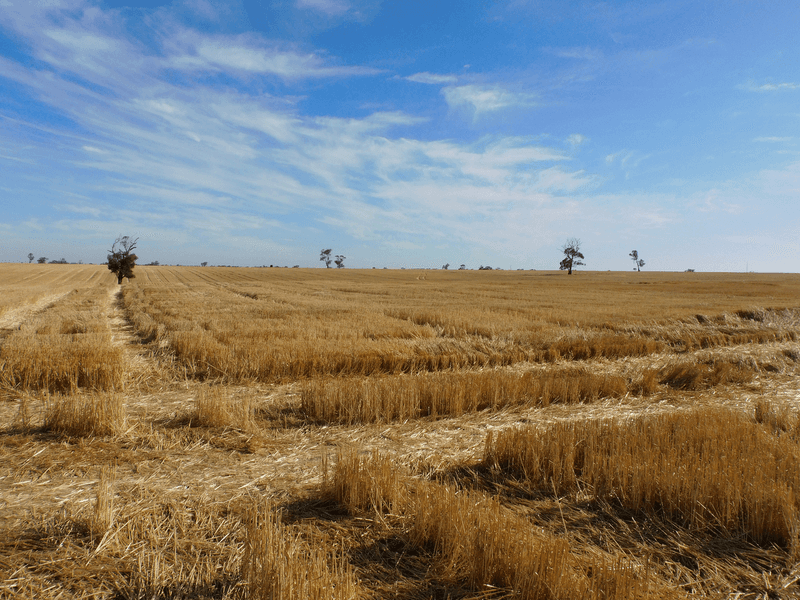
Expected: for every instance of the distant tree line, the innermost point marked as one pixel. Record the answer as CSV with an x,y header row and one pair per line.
x,y
43,260
121,259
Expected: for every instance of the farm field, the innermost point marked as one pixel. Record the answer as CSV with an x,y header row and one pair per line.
x,y
309,433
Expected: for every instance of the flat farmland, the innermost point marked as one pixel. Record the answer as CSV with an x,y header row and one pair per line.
x,y
312,433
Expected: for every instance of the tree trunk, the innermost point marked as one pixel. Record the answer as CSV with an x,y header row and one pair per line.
x,y
119,279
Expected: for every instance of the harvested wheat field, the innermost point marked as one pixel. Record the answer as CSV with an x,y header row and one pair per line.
x,y
292,433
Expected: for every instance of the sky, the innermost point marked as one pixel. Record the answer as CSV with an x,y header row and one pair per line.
x,y
403,133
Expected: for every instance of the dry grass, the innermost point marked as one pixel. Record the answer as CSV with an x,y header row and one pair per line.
x,y
686,375
61,363
778,416
65,348
242,325
215,407
279,565
150,548
605,346
102,516
200,489
475,540
131,544
707,468
400,398
756,325
85,414
22,286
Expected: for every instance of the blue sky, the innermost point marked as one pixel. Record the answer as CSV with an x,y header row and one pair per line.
x,y
403,133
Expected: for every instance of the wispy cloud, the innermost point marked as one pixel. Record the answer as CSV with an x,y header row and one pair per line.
x,y
237,54
625,158
716,200
576,139
486,98
432,78
221,160
582,53
329,7
164,124
751,86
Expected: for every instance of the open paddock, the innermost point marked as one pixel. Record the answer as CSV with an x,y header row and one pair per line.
x,y
310,433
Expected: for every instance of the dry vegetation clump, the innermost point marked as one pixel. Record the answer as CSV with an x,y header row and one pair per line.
x,y
279,565
778,416
61,363
647,384
133,543
371,400
85,414
476,541
65,348
613,346
130,544
217,407
792,354
710,469
753,326
691,375
446,324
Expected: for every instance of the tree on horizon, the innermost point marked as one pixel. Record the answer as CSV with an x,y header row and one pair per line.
x,y
121,259
572,255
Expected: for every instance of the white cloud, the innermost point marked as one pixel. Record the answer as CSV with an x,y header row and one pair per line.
x,y
15,159
33,224
226,53
204,8
167,155
556,179
82,209
486,98
432,78
773,139
769,87
626,158
80,41
329,7
576,139
716,200
583,53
